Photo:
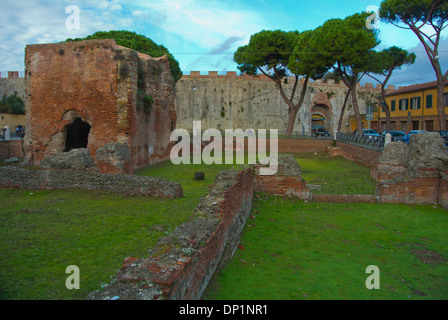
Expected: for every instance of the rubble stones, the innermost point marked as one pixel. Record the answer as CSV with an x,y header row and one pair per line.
x,y
78,159
38,179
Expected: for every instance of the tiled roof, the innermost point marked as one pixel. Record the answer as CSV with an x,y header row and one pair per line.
x,y
415,87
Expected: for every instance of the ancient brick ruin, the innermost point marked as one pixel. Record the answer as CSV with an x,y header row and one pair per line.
x,y
414,174
287,181
94,94
181,265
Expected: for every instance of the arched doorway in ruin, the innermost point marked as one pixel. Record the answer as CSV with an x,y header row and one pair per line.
x,y
77,135
73,134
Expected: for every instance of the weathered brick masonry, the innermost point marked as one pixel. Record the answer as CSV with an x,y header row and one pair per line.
x,y
287,181
10,149
414,174
39,179
99,85
363,156
183,262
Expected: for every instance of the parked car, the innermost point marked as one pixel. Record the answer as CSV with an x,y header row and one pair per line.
x,y
444,135
398,135
369,133
321,132
408,136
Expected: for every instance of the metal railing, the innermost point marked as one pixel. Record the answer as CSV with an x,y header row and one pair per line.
x,y
371,142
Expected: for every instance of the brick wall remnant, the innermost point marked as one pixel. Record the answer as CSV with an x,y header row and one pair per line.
x,y
358,154
11,148
414,174
287,181
65,179
182,263
87,94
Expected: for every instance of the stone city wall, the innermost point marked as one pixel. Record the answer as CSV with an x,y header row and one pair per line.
x,y
9,86
245,102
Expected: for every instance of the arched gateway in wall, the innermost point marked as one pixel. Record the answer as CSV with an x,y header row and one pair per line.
x,y
321,112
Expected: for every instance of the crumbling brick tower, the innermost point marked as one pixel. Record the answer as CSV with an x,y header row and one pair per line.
x,y
94,94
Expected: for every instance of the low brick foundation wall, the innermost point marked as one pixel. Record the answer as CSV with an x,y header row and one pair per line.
x,y
303,145
39,179
407,189
363,156
11,149
287,181
414,173
182,263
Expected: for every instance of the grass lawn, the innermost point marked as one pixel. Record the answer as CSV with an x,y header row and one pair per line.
x,y
43,232
293,250
313,251
335,175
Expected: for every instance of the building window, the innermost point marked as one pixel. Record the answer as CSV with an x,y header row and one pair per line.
x,y
415,125
393,125
429,101
392,105
445,99
416,103
404,126
404,103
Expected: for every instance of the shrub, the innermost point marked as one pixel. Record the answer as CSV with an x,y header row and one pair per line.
x,y
12,104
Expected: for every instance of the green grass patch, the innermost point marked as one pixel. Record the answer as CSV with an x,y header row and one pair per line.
x,y
335,175
43,232
292,250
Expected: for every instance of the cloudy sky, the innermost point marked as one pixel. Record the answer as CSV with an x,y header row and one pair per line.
x,y
201,34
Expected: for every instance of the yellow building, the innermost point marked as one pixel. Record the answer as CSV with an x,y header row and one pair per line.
x,y
11,120
412,108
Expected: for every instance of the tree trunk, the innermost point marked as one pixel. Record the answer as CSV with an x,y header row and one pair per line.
x,y
433,54
385,107
388,124
440,103
292,108
292,115
341,117
356,110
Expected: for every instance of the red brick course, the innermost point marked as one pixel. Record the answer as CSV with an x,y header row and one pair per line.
x,y
363,156
303,145
280,186
11,149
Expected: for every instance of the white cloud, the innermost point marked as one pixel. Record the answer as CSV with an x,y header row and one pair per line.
x,y
25,22
207,23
